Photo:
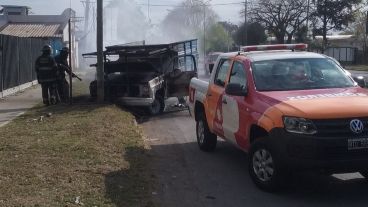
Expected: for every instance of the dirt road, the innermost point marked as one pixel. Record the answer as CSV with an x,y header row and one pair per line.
x,y
188,177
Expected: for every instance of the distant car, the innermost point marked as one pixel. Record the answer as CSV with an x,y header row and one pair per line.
x,y
357,78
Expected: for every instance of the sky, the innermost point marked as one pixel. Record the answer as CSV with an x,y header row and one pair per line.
x,y
156,13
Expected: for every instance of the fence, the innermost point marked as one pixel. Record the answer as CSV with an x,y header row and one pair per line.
x,y
17,60
345,55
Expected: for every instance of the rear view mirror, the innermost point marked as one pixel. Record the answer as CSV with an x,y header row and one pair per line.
x,y
360,80
210,67
235,89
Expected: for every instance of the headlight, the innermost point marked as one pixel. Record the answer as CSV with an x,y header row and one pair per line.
x,y
146,90
299,125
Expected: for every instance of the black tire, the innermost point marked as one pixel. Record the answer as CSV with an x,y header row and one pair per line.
x,y
157,106
206,140
264,168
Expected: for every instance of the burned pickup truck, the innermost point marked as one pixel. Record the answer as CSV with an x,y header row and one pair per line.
x,y
146,75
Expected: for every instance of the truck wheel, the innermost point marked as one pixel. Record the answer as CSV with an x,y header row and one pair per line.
x,y
263,167
206,140
157,106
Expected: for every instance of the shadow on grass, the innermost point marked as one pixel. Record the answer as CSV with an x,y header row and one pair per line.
x,y
132,186
80,103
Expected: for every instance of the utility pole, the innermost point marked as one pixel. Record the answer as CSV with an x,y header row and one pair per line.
x,y
366,24
308,4
86,16
70,60
204,34
245,23
100,58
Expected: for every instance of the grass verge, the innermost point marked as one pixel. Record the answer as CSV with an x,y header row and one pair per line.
x,y
81,155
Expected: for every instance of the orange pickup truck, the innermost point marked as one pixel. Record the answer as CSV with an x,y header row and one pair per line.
x,y
289,109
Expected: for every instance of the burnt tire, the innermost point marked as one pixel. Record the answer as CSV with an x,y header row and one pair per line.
x,y
157,107
264,168
206,140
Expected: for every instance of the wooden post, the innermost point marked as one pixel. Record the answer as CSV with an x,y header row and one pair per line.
x,y
70,61
100,58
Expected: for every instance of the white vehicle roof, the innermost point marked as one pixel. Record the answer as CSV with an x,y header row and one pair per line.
x,y
274,55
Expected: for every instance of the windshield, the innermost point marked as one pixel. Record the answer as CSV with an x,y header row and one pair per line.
x,y
299,74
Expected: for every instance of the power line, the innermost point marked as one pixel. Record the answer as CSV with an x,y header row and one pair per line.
x,y
173,5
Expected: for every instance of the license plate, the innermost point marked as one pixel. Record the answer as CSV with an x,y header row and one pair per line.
x,y
354,144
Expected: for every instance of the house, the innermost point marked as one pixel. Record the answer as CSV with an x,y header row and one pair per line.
x,y
16,21
21,33
341,41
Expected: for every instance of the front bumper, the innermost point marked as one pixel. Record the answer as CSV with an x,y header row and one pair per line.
x,y
133,101
299,152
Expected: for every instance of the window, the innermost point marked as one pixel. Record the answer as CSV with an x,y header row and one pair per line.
x,y
222,72
238,75
14,13
184,63
299,74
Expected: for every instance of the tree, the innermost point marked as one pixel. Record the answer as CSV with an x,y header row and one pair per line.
x,y
133,30
255,33
359,30
188,20
219,40
229,27
332,15
281,17
301,35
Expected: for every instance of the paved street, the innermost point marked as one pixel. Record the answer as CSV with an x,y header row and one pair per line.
x,y
188,177
15,105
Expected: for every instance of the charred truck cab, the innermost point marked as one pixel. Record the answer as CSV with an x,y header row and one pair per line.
x,y
145,75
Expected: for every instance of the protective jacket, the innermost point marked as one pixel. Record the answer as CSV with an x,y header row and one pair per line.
x,y
63,66
46,69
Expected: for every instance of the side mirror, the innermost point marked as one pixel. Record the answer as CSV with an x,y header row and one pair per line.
x,y
210,67
360,80
235,89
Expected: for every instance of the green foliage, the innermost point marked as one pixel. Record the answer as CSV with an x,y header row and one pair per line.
x,y
255,34
282,18
188,20
301,34
332,15
218,39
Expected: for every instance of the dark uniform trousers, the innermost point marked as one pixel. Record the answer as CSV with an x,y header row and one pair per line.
x,y
49,87
62,84
63,89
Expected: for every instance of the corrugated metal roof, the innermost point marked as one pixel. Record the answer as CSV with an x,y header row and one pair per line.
x,y
31,30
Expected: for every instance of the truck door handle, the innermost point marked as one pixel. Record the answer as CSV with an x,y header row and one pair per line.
x,y
224,101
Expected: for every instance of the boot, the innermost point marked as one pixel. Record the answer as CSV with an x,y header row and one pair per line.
x,y
53,100
46,102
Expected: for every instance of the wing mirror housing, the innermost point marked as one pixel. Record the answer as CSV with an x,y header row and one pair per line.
x,y
235,89
360,81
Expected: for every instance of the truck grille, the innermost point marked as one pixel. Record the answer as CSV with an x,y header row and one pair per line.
x,y
339,127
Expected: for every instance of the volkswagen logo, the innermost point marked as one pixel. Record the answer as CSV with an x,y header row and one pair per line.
x,y
356,126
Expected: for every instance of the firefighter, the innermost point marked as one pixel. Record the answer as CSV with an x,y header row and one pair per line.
x,y
46,69
63,66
